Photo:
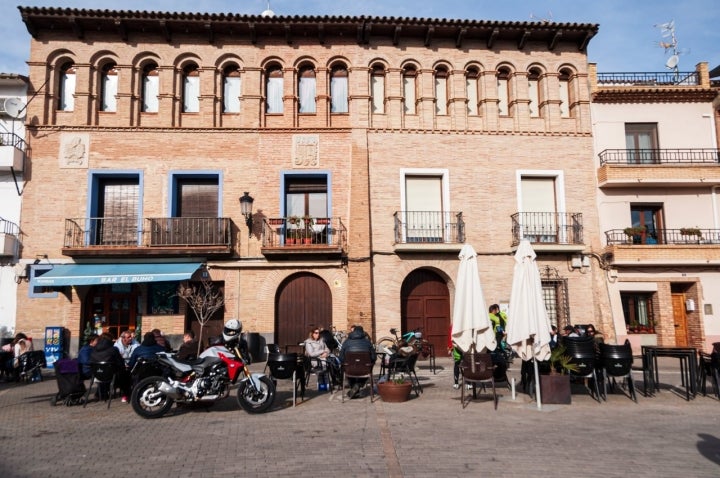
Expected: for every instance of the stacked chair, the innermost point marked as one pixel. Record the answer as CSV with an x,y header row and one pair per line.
x,y
584,355
288,367
617,362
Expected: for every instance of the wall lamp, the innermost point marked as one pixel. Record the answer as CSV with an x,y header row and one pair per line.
x,y
246,205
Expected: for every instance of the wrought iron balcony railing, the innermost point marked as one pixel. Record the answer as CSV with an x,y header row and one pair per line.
x,y
167,231
663,78
429,227
10,139
9,238
682,236
548,227
297,232
650,157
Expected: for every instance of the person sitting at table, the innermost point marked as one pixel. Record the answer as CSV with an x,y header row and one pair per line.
x,y
316,349
148,348
84,355
189,348
105,351
357,342
126,344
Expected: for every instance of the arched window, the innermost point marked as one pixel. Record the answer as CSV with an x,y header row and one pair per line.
x,y
191,88
564,83
231,89
108,87
66,87
503,88
441,76
409,89
307,90
534,92
274,90
150,88
377,89
471,89
339,89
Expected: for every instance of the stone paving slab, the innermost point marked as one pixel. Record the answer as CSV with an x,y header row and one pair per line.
x,y
429,436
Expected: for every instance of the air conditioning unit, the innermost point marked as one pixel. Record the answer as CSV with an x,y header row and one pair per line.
x,y
8,245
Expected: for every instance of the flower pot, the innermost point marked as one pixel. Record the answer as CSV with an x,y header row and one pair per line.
x,y
394,392
555,389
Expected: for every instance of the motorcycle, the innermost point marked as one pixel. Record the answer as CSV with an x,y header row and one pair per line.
x,y
205,380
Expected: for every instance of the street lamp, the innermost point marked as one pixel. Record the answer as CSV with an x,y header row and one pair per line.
x,y
246,204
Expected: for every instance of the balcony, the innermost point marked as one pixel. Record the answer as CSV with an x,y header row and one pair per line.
x,y
649,79
429,231
659,167
665,246
549,231
309,236
12,152
9,238
167,236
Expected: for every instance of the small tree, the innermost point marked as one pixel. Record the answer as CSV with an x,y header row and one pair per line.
x,y
204,300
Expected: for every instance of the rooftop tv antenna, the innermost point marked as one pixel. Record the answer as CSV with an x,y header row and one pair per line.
x,y
670,44
267,12
548,19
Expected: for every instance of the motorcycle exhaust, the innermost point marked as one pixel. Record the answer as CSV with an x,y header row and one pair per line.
x,y
170,391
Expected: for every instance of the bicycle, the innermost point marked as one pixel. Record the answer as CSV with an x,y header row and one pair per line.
x,y
412,338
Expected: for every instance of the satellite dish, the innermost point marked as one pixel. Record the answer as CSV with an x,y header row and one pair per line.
x,y
14,107
672,62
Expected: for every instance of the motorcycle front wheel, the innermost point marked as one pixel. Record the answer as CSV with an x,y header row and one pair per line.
x,y
148,401
256,401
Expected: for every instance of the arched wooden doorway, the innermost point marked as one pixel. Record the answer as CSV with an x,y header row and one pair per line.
x,y
425,303
116,303
303,300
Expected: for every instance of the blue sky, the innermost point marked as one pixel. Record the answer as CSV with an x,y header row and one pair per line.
x,y
627,40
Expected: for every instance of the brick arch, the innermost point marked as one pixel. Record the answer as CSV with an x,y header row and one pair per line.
x,y
227,58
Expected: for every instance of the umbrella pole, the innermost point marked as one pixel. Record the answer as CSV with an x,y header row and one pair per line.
x,y
537,379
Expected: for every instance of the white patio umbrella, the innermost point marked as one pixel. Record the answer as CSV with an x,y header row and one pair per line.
x,y
528,328
470,322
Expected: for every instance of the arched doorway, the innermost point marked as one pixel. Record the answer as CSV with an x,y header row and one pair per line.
x,y
116,304
303,300
425,303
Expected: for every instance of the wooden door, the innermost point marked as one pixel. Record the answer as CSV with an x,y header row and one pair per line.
x,y
116,304
680,320
425,304
302,301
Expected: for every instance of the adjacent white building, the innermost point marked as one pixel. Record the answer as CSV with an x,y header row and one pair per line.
x,y
13,98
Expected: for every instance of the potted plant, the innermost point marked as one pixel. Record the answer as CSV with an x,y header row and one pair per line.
x,y
396,389
633,231
555,387
690,231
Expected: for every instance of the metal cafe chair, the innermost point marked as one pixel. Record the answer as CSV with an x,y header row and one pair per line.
x,y
477,369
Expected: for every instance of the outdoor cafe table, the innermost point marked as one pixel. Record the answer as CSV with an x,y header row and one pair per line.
x,y
688,367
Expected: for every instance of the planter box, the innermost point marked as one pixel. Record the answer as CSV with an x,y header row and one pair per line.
x,y
394,392
555,389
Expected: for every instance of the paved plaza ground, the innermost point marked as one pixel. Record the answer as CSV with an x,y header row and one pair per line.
x,y
429,436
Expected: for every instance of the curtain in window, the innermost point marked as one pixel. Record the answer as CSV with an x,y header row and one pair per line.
x,y
534,93
471,85
191,93
109,90
409,94
503,96
306,94
275,95
151,89
441,94
339,94
67,89
564,95
377,87
231,94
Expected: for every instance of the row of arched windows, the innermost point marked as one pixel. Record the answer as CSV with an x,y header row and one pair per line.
x,y
306,89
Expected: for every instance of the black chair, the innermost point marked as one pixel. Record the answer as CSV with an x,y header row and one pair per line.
x,y
358,365
288,367
617,362
584,355
104,375
710,368
406,365
477,369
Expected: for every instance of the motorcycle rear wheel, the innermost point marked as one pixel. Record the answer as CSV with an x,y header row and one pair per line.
x,y
148,401
259,401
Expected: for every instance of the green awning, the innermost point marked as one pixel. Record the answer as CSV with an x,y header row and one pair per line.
x,y
91,274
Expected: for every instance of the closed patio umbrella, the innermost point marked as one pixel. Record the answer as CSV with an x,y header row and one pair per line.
x,y
470,323
528,328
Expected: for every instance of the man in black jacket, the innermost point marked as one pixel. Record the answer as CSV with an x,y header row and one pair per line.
x,y
357,341
104,351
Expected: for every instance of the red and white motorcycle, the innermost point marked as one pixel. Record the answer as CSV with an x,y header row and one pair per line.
x,y
204,380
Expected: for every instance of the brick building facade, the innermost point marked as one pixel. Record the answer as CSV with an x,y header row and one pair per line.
x,y
373,149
